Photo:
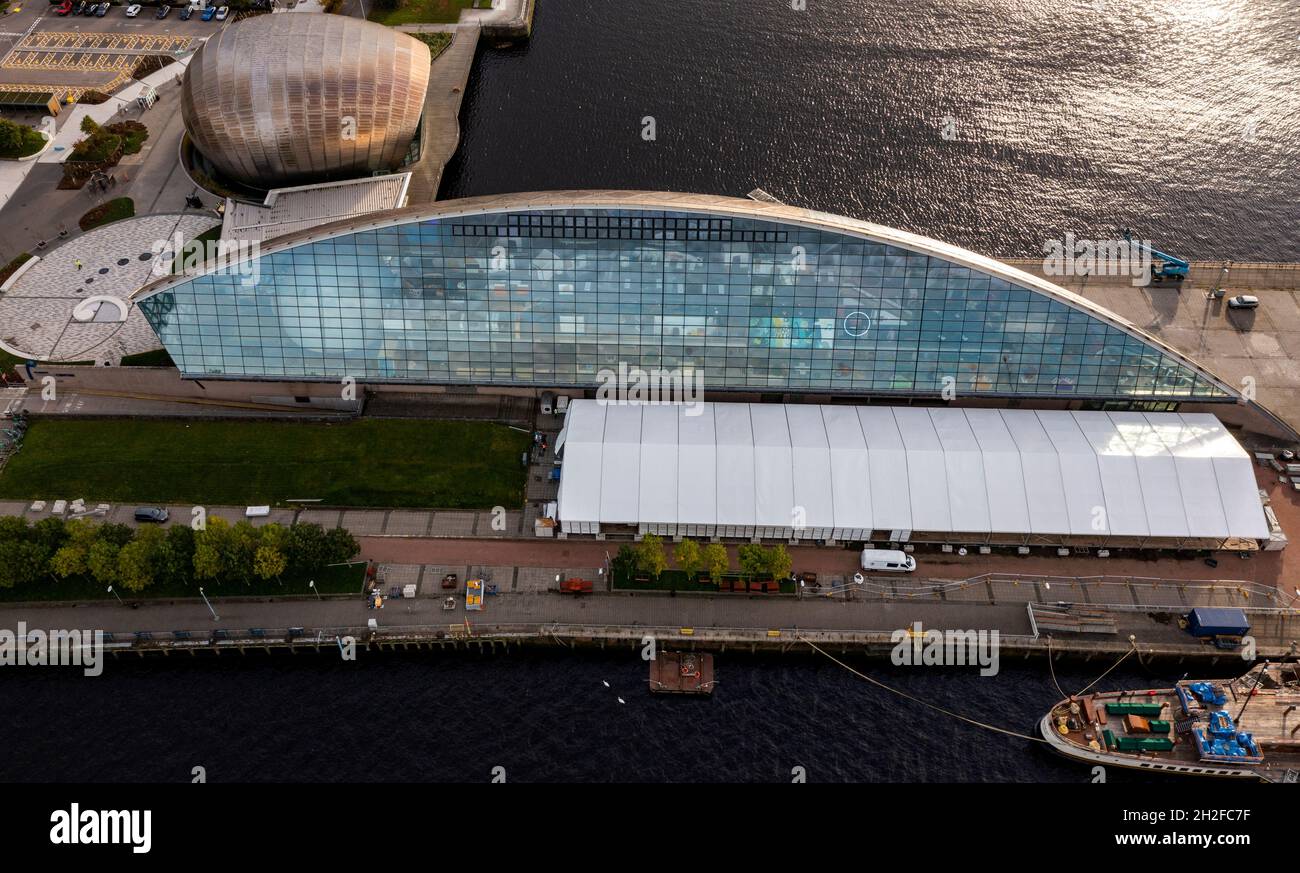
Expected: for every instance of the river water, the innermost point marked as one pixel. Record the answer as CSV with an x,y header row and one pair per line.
x,y
1179,118
994,124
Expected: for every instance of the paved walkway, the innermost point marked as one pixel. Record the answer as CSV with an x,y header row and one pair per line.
x,y
441,130
54,311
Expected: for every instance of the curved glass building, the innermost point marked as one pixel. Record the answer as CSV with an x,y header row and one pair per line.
x,y
548,290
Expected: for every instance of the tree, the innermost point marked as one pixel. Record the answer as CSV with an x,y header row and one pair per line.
x,y
211,549
88,126
305,548
70,559
242,546
269,563
11,136
753,559
21,563
716,560
650,556
687,556
779,562
50,533
175,561
340,546
137,561
102,561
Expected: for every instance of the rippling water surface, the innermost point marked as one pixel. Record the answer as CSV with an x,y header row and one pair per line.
x,y
1180,118
542,715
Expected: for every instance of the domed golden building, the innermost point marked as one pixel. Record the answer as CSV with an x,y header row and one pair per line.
x,y
279,100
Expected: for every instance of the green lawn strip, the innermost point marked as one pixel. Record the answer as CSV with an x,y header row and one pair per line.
x,y
437,42
107,212
32,142
676,580
373,462
393,12
344,579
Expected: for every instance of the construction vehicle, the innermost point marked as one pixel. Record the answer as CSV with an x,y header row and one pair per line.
x,y
1163,266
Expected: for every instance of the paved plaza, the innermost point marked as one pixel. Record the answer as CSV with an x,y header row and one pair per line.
x,y
69,305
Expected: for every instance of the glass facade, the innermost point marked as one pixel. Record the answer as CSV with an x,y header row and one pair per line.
x,y
552,297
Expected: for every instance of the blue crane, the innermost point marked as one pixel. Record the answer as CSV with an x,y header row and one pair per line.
x,y
1163,266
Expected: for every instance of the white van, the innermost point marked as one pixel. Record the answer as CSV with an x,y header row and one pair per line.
x,y
888,560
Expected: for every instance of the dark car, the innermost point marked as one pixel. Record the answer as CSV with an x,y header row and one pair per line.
x,y
186,13
156,514
163,10
101,10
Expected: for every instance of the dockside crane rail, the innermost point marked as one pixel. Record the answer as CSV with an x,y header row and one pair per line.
x,y
1163,266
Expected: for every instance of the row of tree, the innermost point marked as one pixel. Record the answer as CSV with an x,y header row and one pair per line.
x,y
136,559
648,556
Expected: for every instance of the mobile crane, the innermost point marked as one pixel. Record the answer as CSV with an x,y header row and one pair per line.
x,y
1163,266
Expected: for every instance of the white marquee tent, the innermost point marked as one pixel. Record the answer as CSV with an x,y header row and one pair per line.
x,y
842,472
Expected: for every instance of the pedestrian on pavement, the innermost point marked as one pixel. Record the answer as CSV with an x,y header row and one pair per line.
x,y
78,263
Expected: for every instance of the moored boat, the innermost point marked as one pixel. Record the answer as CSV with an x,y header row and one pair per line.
x,y
1244,728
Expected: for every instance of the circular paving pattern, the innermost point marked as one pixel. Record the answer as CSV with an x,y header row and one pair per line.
x,y
36,313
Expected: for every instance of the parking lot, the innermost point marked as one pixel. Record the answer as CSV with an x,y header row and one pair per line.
x,y
41,50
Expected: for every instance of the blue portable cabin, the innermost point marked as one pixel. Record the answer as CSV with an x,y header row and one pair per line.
x,y
1215,621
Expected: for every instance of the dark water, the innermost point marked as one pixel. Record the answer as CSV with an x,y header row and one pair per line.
x,y
1180,118
543,716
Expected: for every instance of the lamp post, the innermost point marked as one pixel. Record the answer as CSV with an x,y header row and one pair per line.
x,y
314,590
115,594
209,605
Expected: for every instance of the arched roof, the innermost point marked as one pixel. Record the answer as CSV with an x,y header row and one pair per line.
x,y
717,206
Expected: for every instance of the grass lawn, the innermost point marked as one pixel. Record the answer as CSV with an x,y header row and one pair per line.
x,y
437,42
32,142
372,462
345,579
12,267
113,210
421,12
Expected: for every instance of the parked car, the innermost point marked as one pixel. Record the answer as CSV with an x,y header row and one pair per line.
x,y
133,10
208,13
154,514
186,13
1243,301
163,10
63,8
101,10
80,7
222,12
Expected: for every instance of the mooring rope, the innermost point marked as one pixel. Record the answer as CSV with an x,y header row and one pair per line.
x,y
1132,648
1052,668
915,699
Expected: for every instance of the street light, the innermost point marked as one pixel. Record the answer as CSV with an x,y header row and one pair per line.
x,y
209,605
312,586
115,594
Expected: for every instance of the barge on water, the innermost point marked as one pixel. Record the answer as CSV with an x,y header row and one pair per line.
x,y
1245,728
682,673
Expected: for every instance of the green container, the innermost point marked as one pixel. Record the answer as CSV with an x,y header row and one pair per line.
x,y
1144,744
1160,727
1109,736
1133,708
